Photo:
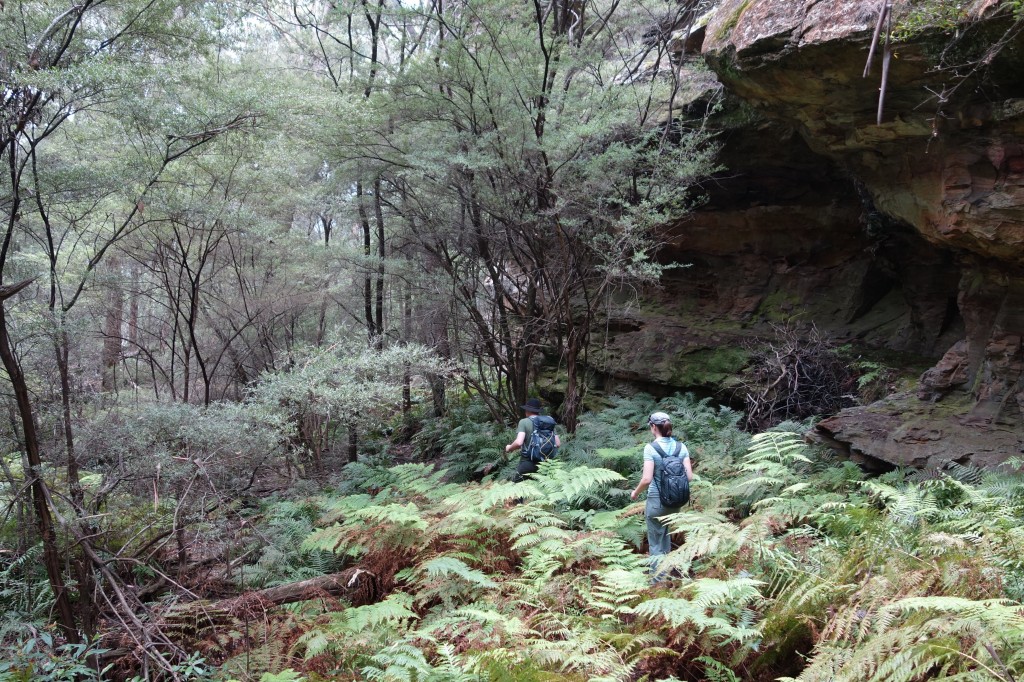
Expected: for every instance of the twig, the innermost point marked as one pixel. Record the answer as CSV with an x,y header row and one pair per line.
x,y
886,58
874,38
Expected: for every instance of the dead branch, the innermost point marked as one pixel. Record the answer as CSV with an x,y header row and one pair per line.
x,y
796,375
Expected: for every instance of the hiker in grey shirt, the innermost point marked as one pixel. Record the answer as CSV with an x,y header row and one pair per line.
x,y
658,536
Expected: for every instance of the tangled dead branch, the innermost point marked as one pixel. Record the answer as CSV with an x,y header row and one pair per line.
x,y
796,375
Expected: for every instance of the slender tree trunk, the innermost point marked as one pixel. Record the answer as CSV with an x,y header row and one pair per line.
x,y
573,403
87,611
47,533
406,336
353,443
133,309
364,222
112,325
437,312
193,321
379,304
186,366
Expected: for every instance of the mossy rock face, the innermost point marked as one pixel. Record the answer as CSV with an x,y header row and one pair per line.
x,y
708,367
657,352
551,384
779,306
727,27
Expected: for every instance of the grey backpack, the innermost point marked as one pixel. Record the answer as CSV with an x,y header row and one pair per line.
x,y
673,483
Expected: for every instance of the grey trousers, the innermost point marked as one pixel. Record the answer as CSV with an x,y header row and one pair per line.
x,y
657,533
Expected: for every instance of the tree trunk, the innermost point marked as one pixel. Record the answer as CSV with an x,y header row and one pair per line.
x,y
364,223
112,326
406,338
48,535
87,611
353,444
438,313
340,584
573,403
379,304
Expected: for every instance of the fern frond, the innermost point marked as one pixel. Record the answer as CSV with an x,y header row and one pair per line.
x,y
556,484
448,566
615,590
772,446
709,595
394,611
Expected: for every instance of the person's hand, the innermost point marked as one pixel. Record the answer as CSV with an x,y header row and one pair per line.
x,y
632,495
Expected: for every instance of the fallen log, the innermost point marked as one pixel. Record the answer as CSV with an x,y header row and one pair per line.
x,y
219,627
355,584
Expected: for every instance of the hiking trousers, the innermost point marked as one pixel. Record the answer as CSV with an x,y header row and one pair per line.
x,y
525,466
658,536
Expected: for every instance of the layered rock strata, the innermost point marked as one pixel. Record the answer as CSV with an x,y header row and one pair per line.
x,y
907,236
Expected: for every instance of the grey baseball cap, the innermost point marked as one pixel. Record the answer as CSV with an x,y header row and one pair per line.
x,y
659,418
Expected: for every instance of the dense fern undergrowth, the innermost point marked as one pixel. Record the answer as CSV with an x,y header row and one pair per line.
x,y
790,565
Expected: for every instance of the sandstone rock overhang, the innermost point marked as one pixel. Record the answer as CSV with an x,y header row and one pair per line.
x,y
946,164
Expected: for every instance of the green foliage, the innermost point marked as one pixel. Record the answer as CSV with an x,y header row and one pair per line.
x,y
716,671
342,386
788,563
283,676
281,559
25,596
924,15
469,441
39,658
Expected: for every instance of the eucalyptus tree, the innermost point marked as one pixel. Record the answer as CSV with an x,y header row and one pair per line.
x,y
352,49
524,153
553,155
222,275
95,114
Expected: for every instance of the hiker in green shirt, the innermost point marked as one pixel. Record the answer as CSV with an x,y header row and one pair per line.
x,y
524,430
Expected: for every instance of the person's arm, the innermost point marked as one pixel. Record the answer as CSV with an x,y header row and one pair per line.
x,y
645,479
689,469
517,443
558,441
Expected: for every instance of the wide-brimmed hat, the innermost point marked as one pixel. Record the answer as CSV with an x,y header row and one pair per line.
x,y
659,418
532,405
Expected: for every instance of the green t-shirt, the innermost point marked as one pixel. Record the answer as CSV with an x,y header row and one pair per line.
x,y
525,426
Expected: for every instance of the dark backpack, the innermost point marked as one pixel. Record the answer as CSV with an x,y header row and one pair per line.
x,y
542,440
673,484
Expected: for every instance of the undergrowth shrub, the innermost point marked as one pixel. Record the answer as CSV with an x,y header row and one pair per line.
x,y
469,442
790,564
